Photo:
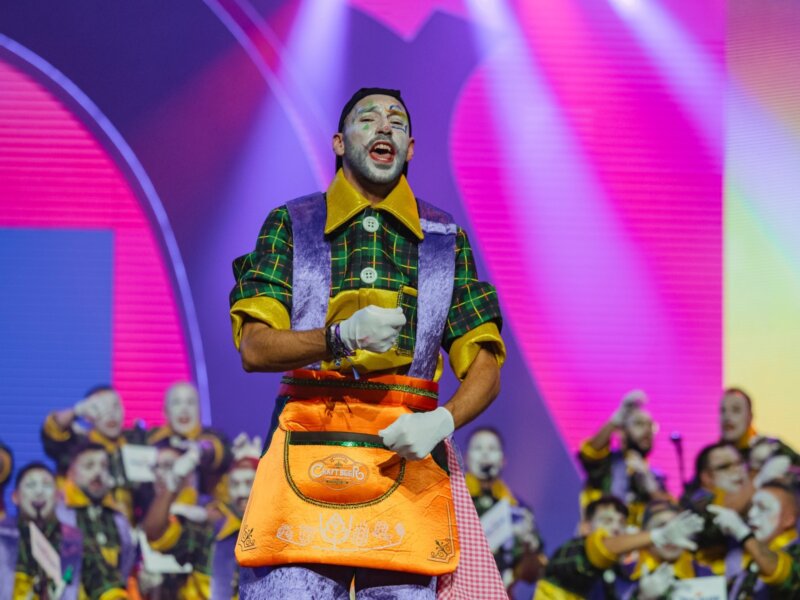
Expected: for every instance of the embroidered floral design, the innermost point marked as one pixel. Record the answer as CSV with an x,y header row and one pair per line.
x,y
338,534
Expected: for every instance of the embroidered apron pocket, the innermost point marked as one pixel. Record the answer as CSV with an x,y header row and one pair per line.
x,y
341,469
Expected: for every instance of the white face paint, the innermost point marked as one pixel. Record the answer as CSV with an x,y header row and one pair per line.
x,y
240,480
36,495
640,429
735,417
485,455
182,406
109,413
89,471
764,515
377,143
608,518
728,471
668,553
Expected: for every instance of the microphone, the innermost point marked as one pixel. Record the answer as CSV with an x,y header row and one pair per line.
x,y
677,440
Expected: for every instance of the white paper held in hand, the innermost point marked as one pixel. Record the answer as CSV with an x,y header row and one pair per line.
x,y
497,524
138,462
44,553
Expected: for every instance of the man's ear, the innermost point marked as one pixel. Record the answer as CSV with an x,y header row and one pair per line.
x,y
338,144
15,497
706,480
410,151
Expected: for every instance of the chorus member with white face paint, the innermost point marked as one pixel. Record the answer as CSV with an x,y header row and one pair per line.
x,y
227,516
721,479
591,566
624,471
485,462
657,568
184,428
21,576
108,548
770,542
354,292
97,419
736,426
174,524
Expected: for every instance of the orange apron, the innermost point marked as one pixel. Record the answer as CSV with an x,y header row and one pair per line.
x,y
328,491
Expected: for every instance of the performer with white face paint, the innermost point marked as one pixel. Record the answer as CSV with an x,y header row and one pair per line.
x,y
184,429
590,566
624,471
354,292
736,427
108,548
21,576
721,479
97,419
770,541
520,558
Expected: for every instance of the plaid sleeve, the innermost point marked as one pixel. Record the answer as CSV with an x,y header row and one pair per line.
x,y
597,466
267,271
570,569
474,302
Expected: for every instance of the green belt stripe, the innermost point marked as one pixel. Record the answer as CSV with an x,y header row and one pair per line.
x,y
334,438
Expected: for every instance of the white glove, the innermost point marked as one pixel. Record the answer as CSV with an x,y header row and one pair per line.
x,y
186,463
655,585
244,447
631,400
372,328
775,468
87,409
730,522
413,436
678,531
191,512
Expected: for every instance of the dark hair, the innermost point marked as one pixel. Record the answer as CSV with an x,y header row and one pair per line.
x,y
82,447
741,392
32,466
656,507
487,429
103,387
701,461
612,501
360,95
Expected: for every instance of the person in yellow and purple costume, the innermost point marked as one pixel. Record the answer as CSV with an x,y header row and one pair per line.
x,y
22,577
6,469
354,292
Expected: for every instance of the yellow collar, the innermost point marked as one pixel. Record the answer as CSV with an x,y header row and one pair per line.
x,y
783,540
499,489
744,441
111,446
74,497
344,202
231,524
684,566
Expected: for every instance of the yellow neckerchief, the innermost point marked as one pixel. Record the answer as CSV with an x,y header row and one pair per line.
x,y
498,490
231,524
684,566
344,202
744,441
166,432
74,497
111,446
779,543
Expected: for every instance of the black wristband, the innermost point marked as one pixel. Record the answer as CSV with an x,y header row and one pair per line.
x,y
747,537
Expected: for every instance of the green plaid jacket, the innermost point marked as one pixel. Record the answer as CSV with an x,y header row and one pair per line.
x,y
97,575
391,251
570,569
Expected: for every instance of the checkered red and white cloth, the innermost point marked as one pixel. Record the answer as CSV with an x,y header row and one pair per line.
x,y
476,577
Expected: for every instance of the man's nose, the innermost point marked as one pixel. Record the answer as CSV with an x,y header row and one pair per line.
x,y
385,127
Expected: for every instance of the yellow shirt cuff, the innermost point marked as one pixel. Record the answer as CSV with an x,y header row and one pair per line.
x,y
115,594
782,571
261,308
53,431
169,538
592,454
596,551
465,349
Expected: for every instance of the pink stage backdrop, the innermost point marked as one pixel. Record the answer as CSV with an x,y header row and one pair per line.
x,y
55,174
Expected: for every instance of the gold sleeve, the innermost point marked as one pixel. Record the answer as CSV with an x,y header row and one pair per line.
x,y
465,349
261,308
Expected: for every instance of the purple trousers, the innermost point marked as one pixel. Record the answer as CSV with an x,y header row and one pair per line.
x,y
328,582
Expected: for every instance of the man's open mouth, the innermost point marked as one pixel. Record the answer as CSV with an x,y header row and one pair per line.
x,y
382,152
